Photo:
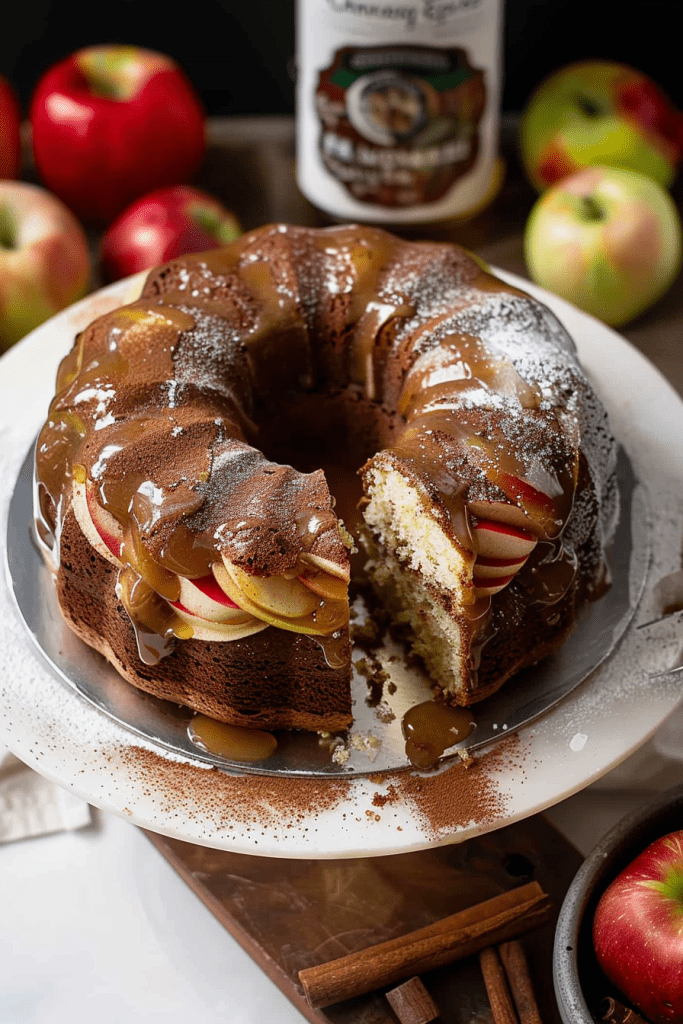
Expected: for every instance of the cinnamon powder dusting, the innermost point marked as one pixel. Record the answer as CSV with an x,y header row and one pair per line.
x,y
462,794
245,802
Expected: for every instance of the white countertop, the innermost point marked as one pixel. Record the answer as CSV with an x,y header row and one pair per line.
x,y
96,925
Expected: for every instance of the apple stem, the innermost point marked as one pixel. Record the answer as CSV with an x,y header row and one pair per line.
x,y
105,90
208,220
8,232
588,105
592,209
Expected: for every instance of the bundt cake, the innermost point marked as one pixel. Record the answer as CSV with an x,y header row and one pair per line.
x,y
194,537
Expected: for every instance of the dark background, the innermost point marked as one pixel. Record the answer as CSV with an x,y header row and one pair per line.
x,y
240,53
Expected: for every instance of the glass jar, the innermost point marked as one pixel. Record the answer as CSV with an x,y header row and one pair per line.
x,y
398,106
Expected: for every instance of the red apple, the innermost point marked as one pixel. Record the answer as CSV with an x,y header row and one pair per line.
x,y
44,259
10,142
111,123
163,224
600,112
638,931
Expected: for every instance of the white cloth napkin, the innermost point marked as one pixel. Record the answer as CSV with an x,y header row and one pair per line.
x,y
33,806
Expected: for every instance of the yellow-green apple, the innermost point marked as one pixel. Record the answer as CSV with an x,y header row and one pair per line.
x,y
638,930
44,259
10,140
606,239
110,123
600,112
162,225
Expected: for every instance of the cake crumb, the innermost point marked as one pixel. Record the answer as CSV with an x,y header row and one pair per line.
x,y
365,742
340,753
384,712
382,799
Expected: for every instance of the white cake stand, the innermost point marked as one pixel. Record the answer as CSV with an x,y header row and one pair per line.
x,y
51,727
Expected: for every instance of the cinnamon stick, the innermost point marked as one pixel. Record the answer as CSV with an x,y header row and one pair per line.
x,y
514,961
502,1010
503,917
412,1003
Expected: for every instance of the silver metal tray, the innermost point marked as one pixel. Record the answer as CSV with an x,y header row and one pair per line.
x,y
375,742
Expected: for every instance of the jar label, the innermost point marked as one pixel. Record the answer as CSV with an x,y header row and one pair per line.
x,y
399,124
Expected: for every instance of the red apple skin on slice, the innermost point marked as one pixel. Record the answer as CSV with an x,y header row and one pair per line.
x,y
202,629
542,512
104,541
206,600
502,540
502,512
209,587
490,587
502,550
104,522
528,508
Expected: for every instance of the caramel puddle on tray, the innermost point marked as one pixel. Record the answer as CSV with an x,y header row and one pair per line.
x,y
431,728
231,741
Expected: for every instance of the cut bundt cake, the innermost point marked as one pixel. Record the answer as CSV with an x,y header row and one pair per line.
x,y
194,539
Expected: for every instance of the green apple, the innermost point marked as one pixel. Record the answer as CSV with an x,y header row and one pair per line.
x,y
600,112
44,259
606,239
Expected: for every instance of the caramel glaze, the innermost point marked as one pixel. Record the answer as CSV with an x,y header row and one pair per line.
x,y
292,336
230,741
431,728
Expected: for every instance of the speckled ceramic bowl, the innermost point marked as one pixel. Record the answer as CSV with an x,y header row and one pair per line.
x,y
580,985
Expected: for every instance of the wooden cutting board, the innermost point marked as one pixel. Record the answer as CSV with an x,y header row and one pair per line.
x,y
290,914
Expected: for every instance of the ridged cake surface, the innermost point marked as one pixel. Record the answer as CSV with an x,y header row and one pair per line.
x,y
196,543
